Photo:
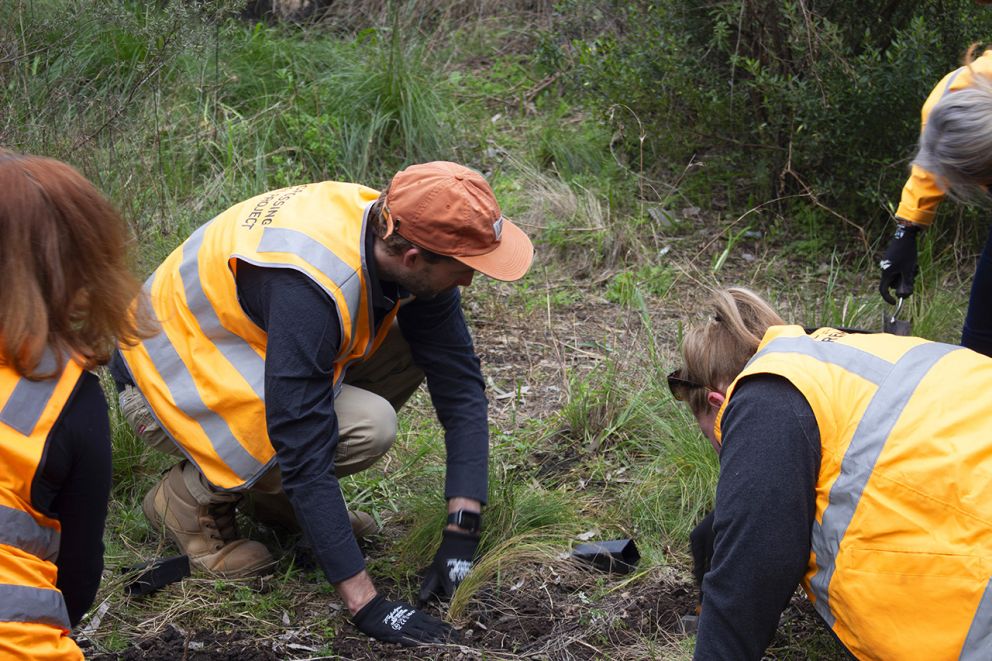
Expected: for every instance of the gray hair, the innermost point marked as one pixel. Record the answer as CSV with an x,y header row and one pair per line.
x,y
956,145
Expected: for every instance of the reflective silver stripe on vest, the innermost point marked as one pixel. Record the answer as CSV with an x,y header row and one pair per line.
x,y
22,603
950,81
368,297
873,430
180,384
978,642
20,530
279,239
868,366
234,348
29,398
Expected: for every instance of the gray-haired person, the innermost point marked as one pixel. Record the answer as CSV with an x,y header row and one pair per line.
x,y
954,156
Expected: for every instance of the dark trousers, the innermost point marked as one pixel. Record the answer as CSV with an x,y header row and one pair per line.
x,y
977,332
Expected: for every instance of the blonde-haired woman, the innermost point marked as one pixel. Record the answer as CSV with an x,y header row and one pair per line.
x,y
64,301
858,465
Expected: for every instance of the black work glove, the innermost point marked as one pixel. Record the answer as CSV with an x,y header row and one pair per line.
x,y
452,563
701,542
899,264
398,622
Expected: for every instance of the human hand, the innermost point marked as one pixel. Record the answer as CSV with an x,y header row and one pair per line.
x,y
899,264
399,622
452,563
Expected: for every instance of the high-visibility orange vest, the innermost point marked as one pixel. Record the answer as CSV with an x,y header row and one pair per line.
x,y
34,623
901,556
203,375
921,195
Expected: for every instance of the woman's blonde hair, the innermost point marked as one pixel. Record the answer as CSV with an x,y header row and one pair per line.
x,y
66,285
715,351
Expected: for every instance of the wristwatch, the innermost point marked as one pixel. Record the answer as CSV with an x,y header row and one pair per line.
x,y
466,520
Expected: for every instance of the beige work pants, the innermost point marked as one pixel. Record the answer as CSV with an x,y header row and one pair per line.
x,y
366,407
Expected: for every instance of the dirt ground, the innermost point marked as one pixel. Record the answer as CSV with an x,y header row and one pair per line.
x,y
545,614
553,618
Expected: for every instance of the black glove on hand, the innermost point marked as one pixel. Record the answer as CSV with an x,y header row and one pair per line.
x,y
899,264
451,564
397,622
701,542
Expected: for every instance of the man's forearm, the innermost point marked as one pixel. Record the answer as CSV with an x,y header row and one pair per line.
x,y
323,516
442,347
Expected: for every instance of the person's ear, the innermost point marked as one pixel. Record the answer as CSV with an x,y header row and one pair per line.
x,y
411,257
715,398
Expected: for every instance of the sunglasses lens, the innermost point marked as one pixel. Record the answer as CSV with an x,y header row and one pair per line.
x,y
680,387
677,386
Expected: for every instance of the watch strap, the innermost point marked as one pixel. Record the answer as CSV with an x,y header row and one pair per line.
x,y
466,520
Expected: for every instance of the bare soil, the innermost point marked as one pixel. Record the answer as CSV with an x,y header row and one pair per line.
x,y
560,611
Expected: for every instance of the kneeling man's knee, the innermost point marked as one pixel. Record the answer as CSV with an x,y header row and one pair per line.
x,y
366,429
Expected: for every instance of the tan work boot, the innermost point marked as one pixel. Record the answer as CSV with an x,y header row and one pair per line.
x,y
275,511
206,532
362,524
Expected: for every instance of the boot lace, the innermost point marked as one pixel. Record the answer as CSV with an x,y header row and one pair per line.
x,y
220,522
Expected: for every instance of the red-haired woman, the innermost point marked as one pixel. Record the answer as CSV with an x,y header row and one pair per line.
x,y
65,291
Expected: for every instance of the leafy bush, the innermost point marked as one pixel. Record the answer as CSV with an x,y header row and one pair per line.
x,y
817,99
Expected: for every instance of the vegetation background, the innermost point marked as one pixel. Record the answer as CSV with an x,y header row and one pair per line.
x,y
651,149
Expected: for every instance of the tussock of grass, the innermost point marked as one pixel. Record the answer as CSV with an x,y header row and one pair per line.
x,y
670,494
670,470
536,545
516,507
548,200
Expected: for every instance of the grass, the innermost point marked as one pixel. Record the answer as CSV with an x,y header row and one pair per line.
x,y
177,111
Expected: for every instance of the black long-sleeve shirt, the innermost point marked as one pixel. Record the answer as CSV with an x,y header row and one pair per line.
x,y
765,507
72,484
304,336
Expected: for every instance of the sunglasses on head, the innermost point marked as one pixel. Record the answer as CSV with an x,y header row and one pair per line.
x,y
680,387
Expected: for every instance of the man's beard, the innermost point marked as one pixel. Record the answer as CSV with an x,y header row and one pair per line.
x,y
418,284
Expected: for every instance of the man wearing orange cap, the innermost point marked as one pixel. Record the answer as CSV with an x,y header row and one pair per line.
x,y
295,325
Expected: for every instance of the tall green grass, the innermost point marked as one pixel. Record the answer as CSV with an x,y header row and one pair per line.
x,y
177,112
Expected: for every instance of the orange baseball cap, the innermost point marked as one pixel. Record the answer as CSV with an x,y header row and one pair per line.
x,y
450,209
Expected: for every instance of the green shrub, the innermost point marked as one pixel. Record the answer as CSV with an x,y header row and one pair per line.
x,y
816,99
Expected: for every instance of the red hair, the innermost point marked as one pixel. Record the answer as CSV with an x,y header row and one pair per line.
x,y
66,283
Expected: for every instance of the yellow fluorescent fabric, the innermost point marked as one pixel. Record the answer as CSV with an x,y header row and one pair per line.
x,y
921,195
902,543
204,374
34,623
